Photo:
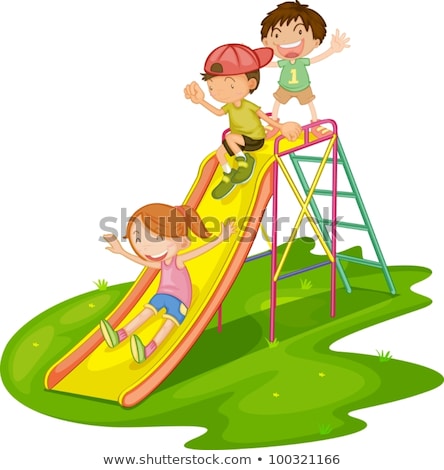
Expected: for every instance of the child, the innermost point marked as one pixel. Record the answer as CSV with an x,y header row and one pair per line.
x,y
232,73
293,31
157,232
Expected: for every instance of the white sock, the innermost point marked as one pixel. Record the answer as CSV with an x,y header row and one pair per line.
x,y
226,168
241,154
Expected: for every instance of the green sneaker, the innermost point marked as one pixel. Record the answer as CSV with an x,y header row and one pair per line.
x,y
109,334
225,186
244,170
137,349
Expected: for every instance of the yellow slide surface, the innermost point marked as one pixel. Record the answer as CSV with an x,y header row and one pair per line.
x,y
94,370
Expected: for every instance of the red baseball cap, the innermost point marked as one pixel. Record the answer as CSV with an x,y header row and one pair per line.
x,y
236,59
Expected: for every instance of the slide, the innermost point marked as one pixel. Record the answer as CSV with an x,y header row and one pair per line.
x,y
94,370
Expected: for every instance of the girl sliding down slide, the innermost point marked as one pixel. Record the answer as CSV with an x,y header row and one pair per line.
x,y
157,232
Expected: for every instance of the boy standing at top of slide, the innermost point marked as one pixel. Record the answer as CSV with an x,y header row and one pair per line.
x,y
293,31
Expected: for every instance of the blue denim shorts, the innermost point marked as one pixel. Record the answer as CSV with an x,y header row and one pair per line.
x,y
175,308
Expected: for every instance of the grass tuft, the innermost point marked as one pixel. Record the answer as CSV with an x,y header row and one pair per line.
x,y
306,284
272,344
101,284
384,357
325,429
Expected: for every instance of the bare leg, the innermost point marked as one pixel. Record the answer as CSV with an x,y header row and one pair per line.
x,y
233,141
271,131
164,331
318,131
141,352
275,112
314,116
139,320
220,155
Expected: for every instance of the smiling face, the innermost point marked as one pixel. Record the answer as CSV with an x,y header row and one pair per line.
x,y
292,40
153,247
230,89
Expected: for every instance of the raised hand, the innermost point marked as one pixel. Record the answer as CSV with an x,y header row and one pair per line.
x,y
114,244
194,93
339,42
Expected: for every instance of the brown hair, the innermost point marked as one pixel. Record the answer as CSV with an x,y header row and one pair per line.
x,y
255,74
169,221
288,11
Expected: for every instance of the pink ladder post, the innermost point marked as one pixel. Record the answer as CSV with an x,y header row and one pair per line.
x,y
273,289
334,210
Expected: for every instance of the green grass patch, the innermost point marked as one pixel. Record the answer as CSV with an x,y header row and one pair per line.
x,y
246,392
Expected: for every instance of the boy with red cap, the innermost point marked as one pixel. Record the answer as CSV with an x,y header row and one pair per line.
x,y
231,73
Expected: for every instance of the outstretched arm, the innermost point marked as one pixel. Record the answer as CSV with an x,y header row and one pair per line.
x,y
194,93
338,43
227,230
290,130
116,247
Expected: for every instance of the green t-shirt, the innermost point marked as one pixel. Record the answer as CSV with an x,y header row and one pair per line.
x,y
294,77
244,119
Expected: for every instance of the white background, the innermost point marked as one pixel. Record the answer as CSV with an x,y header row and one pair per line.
x,y
93,119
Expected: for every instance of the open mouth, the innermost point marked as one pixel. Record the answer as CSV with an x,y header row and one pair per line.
x,y
292,50
159,257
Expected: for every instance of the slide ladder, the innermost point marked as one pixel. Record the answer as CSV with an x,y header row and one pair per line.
x,y
325,223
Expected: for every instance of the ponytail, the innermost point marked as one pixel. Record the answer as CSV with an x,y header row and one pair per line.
x,y
193,221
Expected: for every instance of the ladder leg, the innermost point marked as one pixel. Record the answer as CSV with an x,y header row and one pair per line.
x,y
273,287
366,219
334,206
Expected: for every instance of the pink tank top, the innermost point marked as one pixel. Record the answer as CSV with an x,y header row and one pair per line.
x,y
175,282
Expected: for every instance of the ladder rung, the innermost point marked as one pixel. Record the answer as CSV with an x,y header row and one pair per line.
x,y
328,192
346,225
257,256
300,158
366,262
303,270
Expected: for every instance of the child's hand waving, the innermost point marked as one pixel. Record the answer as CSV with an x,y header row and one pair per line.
x,y
339,42
194,93
114,244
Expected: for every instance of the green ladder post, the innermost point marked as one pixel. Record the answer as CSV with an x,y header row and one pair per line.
x,y
323,223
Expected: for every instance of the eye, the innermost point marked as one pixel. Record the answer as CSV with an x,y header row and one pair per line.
x,y
300,32
276,35
232,86
210,88
138,240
